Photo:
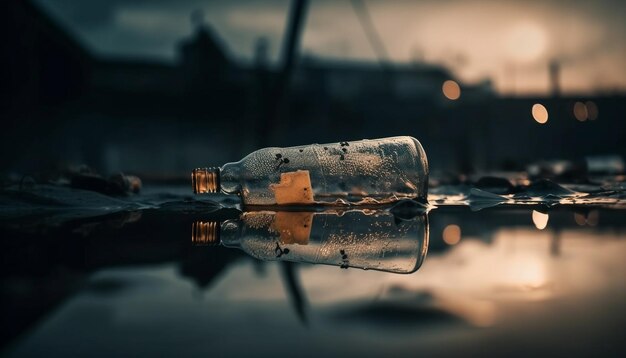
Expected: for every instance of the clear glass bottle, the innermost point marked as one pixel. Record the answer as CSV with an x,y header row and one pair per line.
x,y
373,239
375,171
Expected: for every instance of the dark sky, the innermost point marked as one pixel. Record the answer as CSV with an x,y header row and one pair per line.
x,y
509,42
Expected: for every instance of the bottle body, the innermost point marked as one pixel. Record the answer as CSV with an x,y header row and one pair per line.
x,y
374,171
368,240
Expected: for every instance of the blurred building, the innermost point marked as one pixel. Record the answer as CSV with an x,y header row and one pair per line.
x,y
65,105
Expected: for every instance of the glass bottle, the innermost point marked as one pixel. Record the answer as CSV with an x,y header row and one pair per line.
x,y
375,171
373,239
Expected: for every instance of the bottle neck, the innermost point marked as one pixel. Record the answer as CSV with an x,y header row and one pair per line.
x,y
205,180
230,178
214,180
205,233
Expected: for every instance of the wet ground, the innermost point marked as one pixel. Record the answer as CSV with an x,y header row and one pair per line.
x,y
99,276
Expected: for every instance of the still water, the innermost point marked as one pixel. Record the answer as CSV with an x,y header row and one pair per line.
x,y
499,281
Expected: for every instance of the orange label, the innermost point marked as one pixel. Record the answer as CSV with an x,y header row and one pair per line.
x,y
294,188
293,227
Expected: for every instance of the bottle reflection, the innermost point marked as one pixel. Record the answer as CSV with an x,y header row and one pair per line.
x,y
366,239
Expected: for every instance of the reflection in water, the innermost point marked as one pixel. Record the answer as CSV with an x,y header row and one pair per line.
x,y
452,234
376,240
116,284
593,218
580,219
540,219
203,233
590,218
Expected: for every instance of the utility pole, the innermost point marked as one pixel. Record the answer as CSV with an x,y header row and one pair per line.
x,y
273,122
555,69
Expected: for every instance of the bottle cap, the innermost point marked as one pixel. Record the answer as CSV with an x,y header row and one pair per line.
x,y
205,233
205,180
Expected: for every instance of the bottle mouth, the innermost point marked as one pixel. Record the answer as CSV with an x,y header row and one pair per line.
x,y
205,180
205,233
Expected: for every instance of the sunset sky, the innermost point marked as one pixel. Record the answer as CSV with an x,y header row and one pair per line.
x,y
510,42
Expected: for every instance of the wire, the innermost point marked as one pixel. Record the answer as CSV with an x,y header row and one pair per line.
x,y
360,9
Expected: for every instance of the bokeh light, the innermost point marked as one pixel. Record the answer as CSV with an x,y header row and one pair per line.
x,y
452,234
592,110
451,90
580,111
540,113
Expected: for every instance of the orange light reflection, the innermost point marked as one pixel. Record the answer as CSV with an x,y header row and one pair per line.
x,y
540,219
452,234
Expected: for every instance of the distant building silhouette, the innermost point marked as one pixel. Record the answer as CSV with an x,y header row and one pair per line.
x,y
64,104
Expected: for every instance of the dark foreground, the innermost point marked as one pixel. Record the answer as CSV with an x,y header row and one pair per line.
x,y
130,282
